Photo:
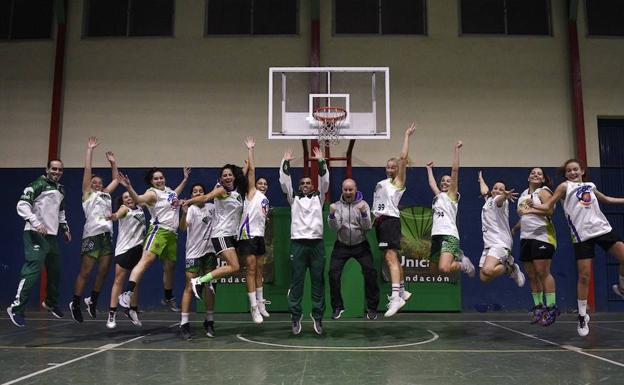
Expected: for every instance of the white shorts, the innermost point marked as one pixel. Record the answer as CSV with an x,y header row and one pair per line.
x,y
503,254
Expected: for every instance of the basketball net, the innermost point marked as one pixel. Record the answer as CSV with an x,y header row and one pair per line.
x,y
329,122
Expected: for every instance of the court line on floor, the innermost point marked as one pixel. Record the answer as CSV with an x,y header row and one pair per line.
x,y
566,347
433,338
25,331
99,350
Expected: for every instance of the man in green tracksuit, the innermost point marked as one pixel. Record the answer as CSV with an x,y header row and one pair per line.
x,y
306,240
42,207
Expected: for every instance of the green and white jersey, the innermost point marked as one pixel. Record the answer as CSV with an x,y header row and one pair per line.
x,y
583,213
227,214
97,207
166,211
444,215
254,216
42,203
199,221
495,224
386,199
534,226
131,230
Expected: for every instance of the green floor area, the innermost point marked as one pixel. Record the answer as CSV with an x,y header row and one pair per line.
x,y
410,348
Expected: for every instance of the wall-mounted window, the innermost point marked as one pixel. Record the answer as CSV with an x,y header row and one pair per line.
x,y
26,19
505,17
605,17
128,18
252,17
380,17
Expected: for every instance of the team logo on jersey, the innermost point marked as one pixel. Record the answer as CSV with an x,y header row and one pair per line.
x,y
583,194
265,206
172,198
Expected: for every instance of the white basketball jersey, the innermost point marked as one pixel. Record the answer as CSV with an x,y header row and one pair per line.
x,y
495,224
254,216
131,230
199,222
534,226
583,213
166,211
386,199
227,214
97,207
444,215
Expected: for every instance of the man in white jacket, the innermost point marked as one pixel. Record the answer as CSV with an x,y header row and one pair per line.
x,y
306,240
351,218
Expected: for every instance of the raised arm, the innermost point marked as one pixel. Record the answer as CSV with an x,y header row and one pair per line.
x,y
120,213
148,198
452,190
433,185
323,177
113,163
250,143
607,199
399,180
284,176
187,171
549,204
92,143
483,187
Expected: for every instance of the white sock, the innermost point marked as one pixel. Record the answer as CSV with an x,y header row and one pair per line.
x,y
252,299
582,307
621,282
185,318
209,315
259,294
396,287
401,288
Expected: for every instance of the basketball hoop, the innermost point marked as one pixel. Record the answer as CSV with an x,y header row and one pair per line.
x,y
329,121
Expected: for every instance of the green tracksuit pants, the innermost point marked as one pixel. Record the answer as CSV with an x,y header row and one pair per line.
x,y
304,254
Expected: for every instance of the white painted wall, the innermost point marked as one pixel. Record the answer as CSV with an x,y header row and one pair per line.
x,y
191,99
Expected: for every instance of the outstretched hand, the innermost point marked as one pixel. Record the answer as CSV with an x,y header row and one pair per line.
x,y
250,142
110,157
92,143
459,144
411,129
510,195
289,155
317,153
187,172
123,180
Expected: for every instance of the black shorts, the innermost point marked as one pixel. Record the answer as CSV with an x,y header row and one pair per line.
x,y
585,249
130,258
223,243
388,230
532,249
254,246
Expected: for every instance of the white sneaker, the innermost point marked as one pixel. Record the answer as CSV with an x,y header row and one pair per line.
x,y
618,290
124,299
255,315
111,323
583,326
197,287
517,275
394,305
405,295
134,317
467,266
262,308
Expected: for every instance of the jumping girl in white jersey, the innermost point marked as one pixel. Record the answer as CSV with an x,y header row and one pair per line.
x,y
128,250
588,227
537,246
251,244
162,239
444,234
387,224
228,201
97,235
200,258
496,258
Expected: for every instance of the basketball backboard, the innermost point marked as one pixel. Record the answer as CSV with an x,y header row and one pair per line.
x,y
296,92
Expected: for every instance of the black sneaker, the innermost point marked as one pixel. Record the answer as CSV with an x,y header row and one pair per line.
x,y
54,310
209,328
185,331
76,313
171,303
337,313
91,305
296,326
371,314
318,325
